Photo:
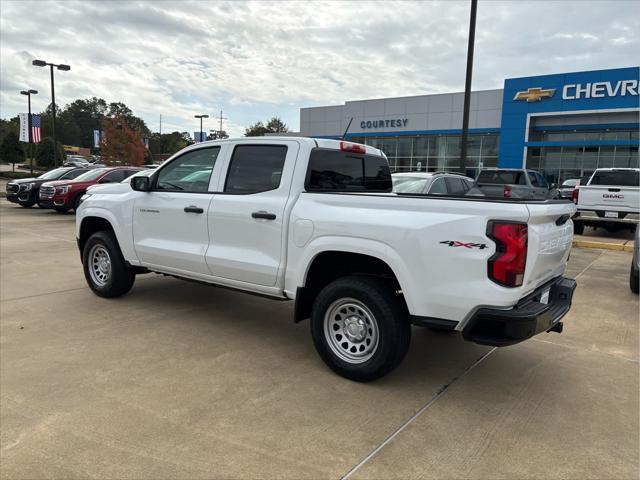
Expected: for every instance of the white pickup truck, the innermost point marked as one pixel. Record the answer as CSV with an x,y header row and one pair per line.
x,y
315,221
610,199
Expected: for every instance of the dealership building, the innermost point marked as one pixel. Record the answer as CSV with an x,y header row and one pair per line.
x,y
565,125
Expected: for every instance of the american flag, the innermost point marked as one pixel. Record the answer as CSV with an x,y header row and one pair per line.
x,y
35,128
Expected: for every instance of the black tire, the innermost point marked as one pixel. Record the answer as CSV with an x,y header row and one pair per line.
x,y
634,280
120,278
27,204
390,317
578,228
61,209
76,202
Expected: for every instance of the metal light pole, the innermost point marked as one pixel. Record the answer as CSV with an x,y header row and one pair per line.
x,y
28,93
201,117
467,88
66,68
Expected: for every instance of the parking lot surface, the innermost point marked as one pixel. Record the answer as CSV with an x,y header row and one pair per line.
x,y
180,380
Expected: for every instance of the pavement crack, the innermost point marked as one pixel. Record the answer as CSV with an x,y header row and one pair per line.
x,y
417,414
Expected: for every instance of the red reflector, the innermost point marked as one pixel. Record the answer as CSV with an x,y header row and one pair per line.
x,y
507,265
352,147
574,195
507,191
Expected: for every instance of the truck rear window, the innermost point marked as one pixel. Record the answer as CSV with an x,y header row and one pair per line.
x,y
502,178
338,171
620,178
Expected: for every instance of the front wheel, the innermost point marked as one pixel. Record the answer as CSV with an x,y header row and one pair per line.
x,y
360,328
578,228
27,204
634,280
105,269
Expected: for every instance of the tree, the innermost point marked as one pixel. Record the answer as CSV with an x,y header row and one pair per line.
x,y
275,125
7,126
168,142
10,149
122,145
44,152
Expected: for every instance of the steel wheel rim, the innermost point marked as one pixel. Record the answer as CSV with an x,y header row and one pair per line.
x,y
351,330
99,265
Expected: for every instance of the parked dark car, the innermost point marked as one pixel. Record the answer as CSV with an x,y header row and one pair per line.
x,y
568,186
63,195
513,183
25,191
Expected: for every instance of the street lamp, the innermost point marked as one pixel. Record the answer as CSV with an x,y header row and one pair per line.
x,y
201,117
28,93
64,68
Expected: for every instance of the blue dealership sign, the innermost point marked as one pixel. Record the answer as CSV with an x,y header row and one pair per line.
x,y
567,93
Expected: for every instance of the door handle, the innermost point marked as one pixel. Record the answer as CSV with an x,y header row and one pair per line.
x,y
613,189
263,214
193,209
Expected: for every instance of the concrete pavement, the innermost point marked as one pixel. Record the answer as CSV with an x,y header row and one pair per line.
x,y
179,380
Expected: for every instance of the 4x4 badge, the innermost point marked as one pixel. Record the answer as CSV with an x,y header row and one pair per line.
x,y
455,243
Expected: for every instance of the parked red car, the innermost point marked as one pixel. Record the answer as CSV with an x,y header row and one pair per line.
x,y
64,195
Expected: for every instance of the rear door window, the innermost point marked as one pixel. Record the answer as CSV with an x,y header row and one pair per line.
x,y
72,174
255,168
338,171
113,177
616,178
438,187
454,186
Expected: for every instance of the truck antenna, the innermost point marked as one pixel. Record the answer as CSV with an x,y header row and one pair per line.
x,y
347,129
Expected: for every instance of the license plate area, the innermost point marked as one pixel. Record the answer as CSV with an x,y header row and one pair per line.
x,y
611,214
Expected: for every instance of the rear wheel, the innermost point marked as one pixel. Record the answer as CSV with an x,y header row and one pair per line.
x,y
360,328
105,269
634,280
27,204
76,202
61,209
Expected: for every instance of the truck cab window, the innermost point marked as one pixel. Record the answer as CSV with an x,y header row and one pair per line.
x,y
255,168
189,172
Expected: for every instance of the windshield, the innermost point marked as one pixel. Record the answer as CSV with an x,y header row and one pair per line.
x,y
91,175
53,174
572,182
409,185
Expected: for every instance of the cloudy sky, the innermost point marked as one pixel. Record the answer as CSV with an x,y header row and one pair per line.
x,y
257,60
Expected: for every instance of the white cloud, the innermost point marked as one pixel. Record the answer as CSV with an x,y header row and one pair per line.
x,y
255,60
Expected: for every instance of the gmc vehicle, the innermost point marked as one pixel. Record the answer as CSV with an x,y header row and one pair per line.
x,y
610,199
25,191
63,195
513,183
315,221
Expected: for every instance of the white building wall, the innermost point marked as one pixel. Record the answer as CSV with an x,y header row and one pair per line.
x,y
422,114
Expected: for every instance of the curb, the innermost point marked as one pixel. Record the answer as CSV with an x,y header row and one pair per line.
x,y
603,245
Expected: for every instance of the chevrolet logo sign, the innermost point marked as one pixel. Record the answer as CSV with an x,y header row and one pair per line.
x,y
534,94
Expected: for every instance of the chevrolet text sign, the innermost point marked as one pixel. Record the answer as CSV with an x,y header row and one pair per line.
x,y
621,88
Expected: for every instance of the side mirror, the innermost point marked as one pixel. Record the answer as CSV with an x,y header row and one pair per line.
x,y
140,184
553,186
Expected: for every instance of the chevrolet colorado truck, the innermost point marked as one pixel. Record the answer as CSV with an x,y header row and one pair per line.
x,y
315,221
610,199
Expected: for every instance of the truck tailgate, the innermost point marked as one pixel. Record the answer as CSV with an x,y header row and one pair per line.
x,y
609,198
550,236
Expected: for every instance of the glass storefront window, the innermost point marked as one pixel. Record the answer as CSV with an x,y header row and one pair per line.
x,y
490,145
607,154
403,164
421,146
404,148
473,145
453,146
389,145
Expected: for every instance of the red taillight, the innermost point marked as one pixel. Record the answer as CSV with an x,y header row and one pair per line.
x,y
506,266
352,147
507,191
574,195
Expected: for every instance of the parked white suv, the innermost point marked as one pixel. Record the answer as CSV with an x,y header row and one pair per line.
x,y
315,221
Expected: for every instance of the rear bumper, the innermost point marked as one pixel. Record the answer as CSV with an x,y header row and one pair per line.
x,y
596,217
529,317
